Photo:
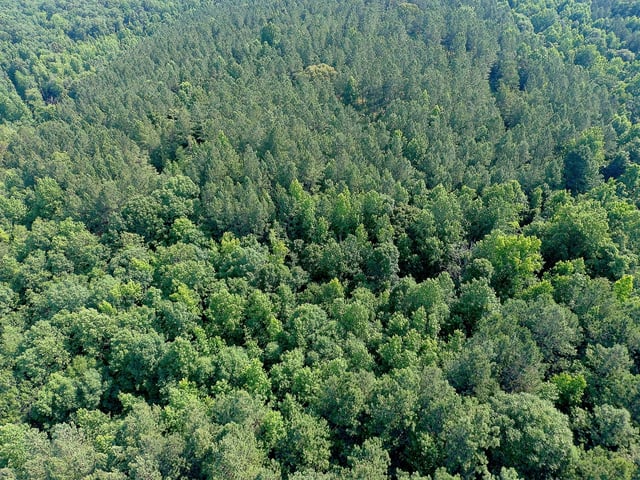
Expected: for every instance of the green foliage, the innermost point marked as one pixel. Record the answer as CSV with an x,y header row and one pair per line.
x,y
319,240
602,464
584,157
535,439
476,300
306,445
570,389
581,230
612,427
514,258
518,362
554,328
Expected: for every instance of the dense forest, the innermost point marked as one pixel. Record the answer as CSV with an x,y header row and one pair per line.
x,y
298,239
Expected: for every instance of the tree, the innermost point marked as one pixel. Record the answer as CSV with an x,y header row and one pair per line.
x,y
393,408
48,201
514,258
612,428
476,300
554,328
298,212
583,159
81,386
177,197
608,375
23,451
342,399
468,434
598,463
347,282
42,353
225,315
470,370
535,438
133,360
502,207
570,387
420,250
238,455
142,216
382,264
306,444
72,455
344,214
369,460
516,358
147,449
239,207
580,230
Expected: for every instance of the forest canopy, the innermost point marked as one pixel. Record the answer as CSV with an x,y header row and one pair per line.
x,y
361,239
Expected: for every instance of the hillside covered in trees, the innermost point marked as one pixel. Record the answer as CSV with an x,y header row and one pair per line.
x,y
299,239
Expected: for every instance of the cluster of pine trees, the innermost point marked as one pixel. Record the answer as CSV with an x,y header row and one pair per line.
x,y
295,239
